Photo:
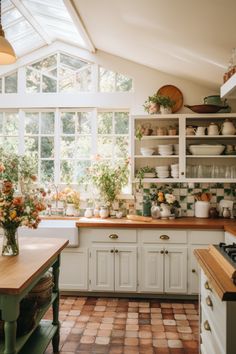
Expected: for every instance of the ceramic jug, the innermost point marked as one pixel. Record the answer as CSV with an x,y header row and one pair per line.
x,y
228,128
213,129
200,131
190,130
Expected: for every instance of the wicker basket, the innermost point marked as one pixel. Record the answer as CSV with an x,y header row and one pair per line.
x,y
42,291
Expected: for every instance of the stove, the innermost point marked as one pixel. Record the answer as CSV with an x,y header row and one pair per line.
x,y
225,254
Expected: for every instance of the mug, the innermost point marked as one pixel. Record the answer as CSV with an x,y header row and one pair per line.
x,y
200,131
190,130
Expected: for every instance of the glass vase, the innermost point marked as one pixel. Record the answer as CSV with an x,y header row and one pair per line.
x,y
10,246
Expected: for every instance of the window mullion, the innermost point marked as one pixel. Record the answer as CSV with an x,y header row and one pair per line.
x,y
57,147
94,129
21,145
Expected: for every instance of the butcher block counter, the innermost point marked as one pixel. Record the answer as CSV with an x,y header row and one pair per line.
x,y
18,276
180,223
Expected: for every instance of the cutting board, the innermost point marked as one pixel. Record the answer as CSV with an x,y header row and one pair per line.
x,y
139,218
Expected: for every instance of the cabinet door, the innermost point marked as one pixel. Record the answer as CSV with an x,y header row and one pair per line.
x,y
175,268
74,269
102,268
152,270
194,270
126,268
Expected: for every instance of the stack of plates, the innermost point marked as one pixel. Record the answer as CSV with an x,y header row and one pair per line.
x,y
175,170
165,150
162,171
147,151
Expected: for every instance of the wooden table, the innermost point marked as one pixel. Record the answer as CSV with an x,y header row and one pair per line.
x,y
18,275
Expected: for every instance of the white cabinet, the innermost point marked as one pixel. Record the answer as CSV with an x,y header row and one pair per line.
x,y
113,268
229,238
192,167
102,269
199,239
74,269
217,321
152,269
163,261
164,269
175,267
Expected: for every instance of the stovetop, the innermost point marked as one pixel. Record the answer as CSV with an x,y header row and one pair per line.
x,y
228,251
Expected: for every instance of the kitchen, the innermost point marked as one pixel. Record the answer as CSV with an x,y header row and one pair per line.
x,y
148,267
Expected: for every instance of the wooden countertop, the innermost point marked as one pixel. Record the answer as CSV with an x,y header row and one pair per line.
x,y
219,280
180,223
35,255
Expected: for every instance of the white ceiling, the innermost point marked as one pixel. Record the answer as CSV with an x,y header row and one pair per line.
x,y
192,39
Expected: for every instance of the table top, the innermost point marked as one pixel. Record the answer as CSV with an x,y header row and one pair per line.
x,y
35,254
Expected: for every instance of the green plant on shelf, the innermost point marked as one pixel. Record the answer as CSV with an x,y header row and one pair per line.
x,y
141,173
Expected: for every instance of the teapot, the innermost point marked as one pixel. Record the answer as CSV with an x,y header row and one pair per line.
x,y
228,128
213,129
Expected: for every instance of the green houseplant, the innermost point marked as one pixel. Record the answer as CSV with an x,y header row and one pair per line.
x,y
161,103
108,179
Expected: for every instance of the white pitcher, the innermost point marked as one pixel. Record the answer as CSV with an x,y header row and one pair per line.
x,y
228,128
213,129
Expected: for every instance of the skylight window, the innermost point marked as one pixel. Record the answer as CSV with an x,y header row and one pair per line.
x,y
110,81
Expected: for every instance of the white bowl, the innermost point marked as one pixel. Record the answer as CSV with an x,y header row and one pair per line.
x,y
146,151
204,149
162,168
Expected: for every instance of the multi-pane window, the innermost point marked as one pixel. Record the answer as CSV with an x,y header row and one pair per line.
x,y
112,135
8,83
39,135
9,131
64,142
110,81
59,73
75,145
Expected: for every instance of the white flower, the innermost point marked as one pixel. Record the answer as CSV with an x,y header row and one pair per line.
x,y
170,198
27,209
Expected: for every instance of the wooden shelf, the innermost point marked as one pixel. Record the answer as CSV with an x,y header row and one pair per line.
x,y
156,156
228,89
211,137
151,137
40,339
211,156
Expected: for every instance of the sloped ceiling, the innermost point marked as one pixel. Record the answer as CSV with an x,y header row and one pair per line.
x,y
192,39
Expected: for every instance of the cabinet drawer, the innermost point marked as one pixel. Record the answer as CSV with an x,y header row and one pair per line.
x,y
163,236
205,237
210,339
113,235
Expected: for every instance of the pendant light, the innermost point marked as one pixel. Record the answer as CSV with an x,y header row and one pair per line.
x,y
7,54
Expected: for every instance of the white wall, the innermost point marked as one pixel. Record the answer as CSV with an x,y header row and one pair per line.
x,y
146,82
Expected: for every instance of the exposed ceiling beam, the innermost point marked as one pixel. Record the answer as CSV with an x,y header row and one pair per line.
x,y
79,24
31,19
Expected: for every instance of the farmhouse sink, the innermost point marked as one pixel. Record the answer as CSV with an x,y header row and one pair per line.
x,y
55,229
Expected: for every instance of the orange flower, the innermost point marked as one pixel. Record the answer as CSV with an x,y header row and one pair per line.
x,y
7,187
17,201
2,168
13,214
34,178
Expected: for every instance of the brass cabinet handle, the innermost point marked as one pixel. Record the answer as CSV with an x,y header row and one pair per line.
x,y
207,286
116,251
164,237
193,270
112,251
207,326
114,236
209,301
166,252
162,252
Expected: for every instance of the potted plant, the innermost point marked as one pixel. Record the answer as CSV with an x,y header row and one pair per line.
x,y
145,172
151,105
166,104
108,179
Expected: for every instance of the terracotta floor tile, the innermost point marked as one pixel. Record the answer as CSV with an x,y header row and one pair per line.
x,y
121,326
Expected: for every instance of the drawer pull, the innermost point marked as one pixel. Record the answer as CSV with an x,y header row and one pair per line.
x,y
166,252
164,237
113,236
209,301
207,286
162,252
207,326
112,251
193,270
116,251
